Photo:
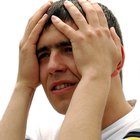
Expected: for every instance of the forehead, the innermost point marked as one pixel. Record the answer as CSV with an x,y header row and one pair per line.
x,y
52,36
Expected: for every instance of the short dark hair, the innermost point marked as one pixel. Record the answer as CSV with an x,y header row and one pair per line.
x,y
58,9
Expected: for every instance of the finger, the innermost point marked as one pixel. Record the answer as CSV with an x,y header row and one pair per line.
x,y
68,31
77,16
115,37
91,14
34,35
101,16
36,17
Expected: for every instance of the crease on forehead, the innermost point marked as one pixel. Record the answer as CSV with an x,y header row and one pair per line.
x,y
51,37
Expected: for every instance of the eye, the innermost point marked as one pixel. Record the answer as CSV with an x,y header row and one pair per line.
x,y
68,49
44,55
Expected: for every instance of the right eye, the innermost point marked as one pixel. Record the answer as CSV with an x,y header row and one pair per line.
x,y
43,55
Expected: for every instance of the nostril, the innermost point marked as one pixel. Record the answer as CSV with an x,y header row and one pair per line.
x,y
59,70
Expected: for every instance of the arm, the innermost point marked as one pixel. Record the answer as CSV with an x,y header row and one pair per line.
x,y
13,123
97,56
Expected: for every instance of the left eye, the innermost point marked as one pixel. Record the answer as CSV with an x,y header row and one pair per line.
x,y
68,49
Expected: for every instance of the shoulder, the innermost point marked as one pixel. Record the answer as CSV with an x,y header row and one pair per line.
x,y
134,132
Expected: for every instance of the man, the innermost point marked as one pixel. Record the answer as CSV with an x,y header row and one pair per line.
x,y
79,58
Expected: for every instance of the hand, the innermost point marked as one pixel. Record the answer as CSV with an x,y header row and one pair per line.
x,y
28,73
94,49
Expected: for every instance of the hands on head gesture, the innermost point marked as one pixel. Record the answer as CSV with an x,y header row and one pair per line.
x,y
96,48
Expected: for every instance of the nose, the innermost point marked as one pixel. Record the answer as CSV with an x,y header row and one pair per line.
x,y
56,63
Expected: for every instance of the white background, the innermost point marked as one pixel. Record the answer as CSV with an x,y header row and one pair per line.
x,y
13,18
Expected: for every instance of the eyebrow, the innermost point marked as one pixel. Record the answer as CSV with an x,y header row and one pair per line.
x,y
63,44
58,45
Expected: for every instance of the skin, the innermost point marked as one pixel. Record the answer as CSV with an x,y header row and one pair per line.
x,y
57,67
94,89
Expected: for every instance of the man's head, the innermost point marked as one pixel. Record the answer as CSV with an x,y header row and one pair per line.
x,y
58,72
58,9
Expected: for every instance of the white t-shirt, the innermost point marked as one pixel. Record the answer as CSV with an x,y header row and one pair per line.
x,y
123,126
116,131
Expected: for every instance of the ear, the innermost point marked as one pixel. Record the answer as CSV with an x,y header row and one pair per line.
x,y
120,65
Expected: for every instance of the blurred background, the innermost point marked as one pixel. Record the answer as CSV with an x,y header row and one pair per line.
x,y
14,16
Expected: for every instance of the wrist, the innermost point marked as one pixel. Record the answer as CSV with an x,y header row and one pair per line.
x,y
24,88
96,74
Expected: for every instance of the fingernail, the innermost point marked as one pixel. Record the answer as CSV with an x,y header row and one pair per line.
x,y
67,2
54,18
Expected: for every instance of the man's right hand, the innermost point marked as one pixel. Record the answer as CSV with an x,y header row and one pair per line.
x,y
28,74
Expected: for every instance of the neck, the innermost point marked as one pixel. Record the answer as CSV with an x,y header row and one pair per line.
x,y
116,106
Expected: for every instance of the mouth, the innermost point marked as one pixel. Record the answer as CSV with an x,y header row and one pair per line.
x,y
61,86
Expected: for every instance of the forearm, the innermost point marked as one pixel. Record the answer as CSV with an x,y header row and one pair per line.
x,y
13,123
84,117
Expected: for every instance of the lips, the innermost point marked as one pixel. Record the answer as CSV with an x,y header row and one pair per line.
x,y
61,85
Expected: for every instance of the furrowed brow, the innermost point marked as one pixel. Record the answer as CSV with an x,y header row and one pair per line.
x,y
63,44
58,45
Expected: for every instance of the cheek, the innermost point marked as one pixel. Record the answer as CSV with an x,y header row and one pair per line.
x,y
73,68
43,73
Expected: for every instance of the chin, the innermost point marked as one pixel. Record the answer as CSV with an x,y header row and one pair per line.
x,y
62,109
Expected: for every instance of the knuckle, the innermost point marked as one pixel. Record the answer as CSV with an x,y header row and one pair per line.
x,y
102,31
106,31
99,32
90,33
80,38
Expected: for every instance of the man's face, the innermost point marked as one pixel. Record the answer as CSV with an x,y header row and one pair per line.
x,y
58,72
